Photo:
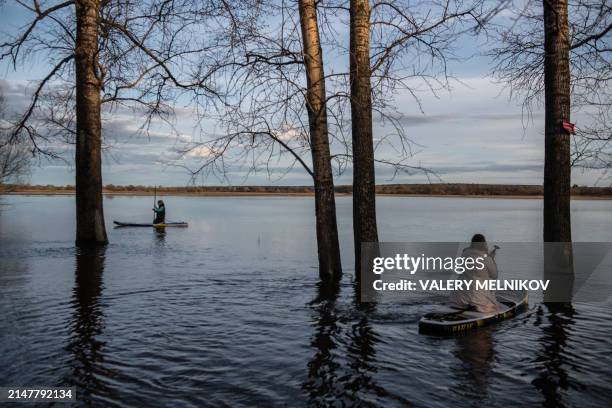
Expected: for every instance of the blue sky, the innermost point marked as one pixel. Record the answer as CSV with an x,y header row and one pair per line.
x,y
474,133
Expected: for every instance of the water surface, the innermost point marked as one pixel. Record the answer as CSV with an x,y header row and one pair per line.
x,y
228,312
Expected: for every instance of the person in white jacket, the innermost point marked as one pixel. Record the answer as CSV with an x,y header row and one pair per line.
x,y
483,301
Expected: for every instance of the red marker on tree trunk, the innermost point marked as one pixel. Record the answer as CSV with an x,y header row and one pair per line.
x,y
569,127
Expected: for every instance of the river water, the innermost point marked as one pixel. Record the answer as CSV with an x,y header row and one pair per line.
x,y
227,313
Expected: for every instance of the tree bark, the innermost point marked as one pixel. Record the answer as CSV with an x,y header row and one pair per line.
x,y
364,195
557,169
88,161
330,268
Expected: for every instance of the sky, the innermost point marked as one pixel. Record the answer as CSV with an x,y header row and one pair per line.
x,y
473,134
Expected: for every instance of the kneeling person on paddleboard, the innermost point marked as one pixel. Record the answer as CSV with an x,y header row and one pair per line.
x,y
483,301
160,212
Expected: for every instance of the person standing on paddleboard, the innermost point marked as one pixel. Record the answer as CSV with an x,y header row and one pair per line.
x,y
160,212
483,301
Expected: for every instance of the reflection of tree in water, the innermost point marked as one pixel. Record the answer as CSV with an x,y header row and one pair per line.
x,y
332,380
552,358
322,374
361,353
476,353
87,322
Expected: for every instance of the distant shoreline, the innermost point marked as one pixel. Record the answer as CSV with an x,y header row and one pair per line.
x,y
400,190
234,194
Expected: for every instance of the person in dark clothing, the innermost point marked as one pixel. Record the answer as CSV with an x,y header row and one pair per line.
x,y
160,213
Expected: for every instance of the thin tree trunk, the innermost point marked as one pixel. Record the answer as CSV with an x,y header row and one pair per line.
x,y
557,170
364,195
327,230
88,161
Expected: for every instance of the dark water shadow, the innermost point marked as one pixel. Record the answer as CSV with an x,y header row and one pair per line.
x,y
87,325
160,239
361,352
341,371
324,367
553,358
475,353
365,391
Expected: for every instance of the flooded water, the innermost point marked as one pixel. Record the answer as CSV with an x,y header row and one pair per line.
x,y
227,312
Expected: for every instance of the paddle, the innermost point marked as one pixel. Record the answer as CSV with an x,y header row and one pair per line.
x,y
492,253
154,200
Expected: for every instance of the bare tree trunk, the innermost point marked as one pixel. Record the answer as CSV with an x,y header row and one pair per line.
x,y
364,195
557,169
88,161
327,229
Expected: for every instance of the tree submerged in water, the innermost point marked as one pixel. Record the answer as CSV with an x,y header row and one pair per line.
x,y
105,57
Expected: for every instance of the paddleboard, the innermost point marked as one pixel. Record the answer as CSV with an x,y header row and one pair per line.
x,y
449,320
166,224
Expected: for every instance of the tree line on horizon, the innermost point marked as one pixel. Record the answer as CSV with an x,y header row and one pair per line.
x,y
259,65
436,189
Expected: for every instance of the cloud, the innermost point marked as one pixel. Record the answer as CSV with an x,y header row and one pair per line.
x,y
472,135
291,133
17,95
407,119
486,167
200,152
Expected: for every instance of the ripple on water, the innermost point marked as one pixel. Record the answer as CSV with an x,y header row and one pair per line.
x,y
207,316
